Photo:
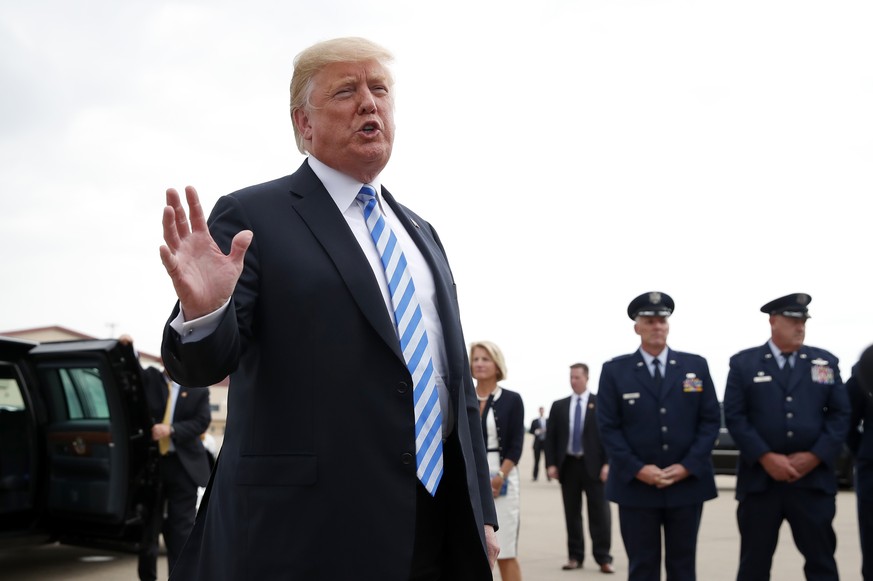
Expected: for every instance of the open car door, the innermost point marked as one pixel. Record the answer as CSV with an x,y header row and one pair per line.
x,y
95,468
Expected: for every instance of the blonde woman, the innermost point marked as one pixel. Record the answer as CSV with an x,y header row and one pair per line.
x,y
502,413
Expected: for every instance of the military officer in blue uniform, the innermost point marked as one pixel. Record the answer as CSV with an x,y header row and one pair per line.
x,y
860,441
658,418
787,410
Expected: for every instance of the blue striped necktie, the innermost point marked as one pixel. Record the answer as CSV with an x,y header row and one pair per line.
x,y
413,343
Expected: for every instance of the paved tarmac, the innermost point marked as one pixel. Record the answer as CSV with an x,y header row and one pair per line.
x,y
542,544
543,540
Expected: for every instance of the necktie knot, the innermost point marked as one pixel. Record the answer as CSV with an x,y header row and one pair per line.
x,y
366,194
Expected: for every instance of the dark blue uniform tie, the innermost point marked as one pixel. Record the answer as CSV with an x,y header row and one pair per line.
x,y
659,379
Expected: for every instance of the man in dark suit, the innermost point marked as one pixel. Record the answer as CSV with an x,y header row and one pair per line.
x,y
787,410
179,416
575,456
538,428
659,417
860,441
350,452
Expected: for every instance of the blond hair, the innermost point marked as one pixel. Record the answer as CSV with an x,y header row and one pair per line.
x,y
309,62
495,354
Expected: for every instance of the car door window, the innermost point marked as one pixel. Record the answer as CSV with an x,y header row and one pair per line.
x,y
84,393
86,438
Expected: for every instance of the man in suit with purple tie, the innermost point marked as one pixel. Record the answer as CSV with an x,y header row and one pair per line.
x,y
575,456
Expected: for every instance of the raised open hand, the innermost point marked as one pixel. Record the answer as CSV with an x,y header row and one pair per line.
x,y
203,276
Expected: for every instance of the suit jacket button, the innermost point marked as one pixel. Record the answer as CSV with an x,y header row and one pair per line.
x,y
406,458
402,387
663,428
665,447
790,434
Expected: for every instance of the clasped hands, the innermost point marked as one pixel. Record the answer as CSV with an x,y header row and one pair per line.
x,y
662,477
789,467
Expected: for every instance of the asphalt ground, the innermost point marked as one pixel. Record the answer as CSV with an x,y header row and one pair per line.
x,y
542,544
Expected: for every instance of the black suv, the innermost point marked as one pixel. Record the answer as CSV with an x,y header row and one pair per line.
x,y
77,464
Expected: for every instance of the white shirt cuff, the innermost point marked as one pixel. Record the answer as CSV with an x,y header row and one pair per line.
x,y
197,329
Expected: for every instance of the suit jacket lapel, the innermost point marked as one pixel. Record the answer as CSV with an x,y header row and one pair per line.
x,y
671,373
644,377
590,414
315,206
445,290
771,367
561,424
801,367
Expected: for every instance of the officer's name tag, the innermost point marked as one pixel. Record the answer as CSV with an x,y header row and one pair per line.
x,y
762,378
634,395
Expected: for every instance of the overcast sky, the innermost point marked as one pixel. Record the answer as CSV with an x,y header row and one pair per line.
x,y
571,154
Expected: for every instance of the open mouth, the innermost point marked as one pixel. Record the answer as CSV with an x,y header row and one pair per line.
x,y
370,127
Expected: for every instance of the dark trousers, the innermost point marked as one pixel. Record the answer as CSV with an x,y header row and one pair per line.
x,y
574,481
538,451
641,532
810,513
865,528
447,543
179,493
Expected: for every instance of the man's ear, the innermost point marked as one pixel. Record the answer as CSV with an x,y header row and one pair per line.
x,y
301,121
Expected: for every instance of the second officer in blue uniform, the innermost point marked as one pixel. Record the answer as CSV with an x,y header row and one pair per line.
x,y
658,419
787,410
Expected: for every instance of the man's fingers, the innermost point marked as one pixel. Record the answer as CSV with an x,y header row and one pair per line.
x,y
171,232
239,245
195,210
